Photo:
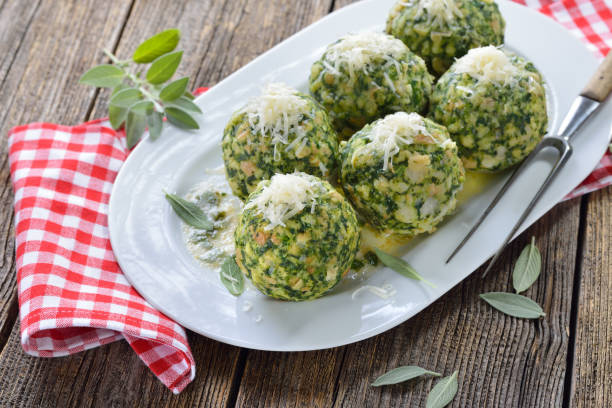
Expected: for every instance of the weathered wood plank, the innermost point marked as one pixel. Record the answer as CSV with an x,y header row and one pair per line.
x,y
288,380
338,4
262,25
112,375
219,36
13,34
502,361
592,380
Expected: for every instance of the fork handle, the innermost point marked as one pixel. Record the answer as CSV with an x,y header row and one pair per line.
x,y
600,84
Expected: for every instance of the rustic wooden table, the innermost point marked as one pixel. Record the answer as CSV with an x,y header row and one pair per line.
x,y
564,359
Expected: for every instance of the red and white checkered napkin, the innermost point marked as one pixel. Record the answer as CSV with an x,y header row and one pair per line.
x,y
72,294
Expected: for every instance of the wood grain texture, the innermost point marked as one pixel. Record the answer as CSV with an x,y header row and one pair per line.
x,y
218,36
592,380
502,361
111,376
306,379
338,4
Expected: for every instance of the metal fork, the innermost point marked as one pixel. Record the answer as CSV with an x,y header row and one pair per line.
x,y
591,97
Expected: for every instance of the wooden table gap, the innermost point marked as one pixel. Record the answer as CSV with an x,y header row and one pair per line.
x,y
568,381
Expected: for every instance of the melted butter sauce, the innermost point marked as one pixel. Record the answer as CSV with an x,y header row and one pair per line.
x,y
474,184
215,197
371,238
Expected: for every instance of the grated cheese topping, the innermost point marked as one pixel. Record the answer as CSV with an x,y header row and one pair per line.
x,y
487,64
278,113
358,50
285,196
384,292
400,128
247,306
437,12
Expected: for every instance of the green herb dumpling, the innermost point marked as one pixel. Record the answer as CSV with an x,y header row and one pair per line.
x,y
280,131
402,173
297,237
362,77
441,30
493,104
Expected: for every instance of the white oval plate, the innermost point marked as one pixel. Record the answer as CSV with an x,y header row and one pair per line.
x,y
146,235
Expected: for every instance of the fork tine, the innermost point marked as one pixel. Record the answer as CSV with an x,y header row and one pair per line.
x,y
564,155
498,197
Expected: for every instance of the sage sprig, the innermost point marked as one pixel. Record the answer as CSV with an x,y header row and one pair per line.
x,y
443,392
400,266
527,267
189,212
514,305
231,276
141,98
401,374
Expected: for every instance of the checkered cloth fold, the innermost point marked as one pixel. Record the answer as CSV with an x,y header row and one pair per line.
x,y
72,294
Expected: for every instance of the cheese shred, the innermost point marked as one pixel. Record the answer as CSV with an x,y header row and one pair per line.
x,y
488,64
285,196
437,12
401,128
356,51
278,112
384,292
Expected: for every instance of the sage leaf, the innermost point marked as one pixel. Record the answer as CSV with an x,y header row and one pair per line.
x,y
231,276
513,305
401,374
180,118
156,46
191,96
527,267
400,266
443,392
189,212
142,107
116,116
134,128
139,95
174,90
155,123
119,87
185,104
126,97
103,76
164,67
